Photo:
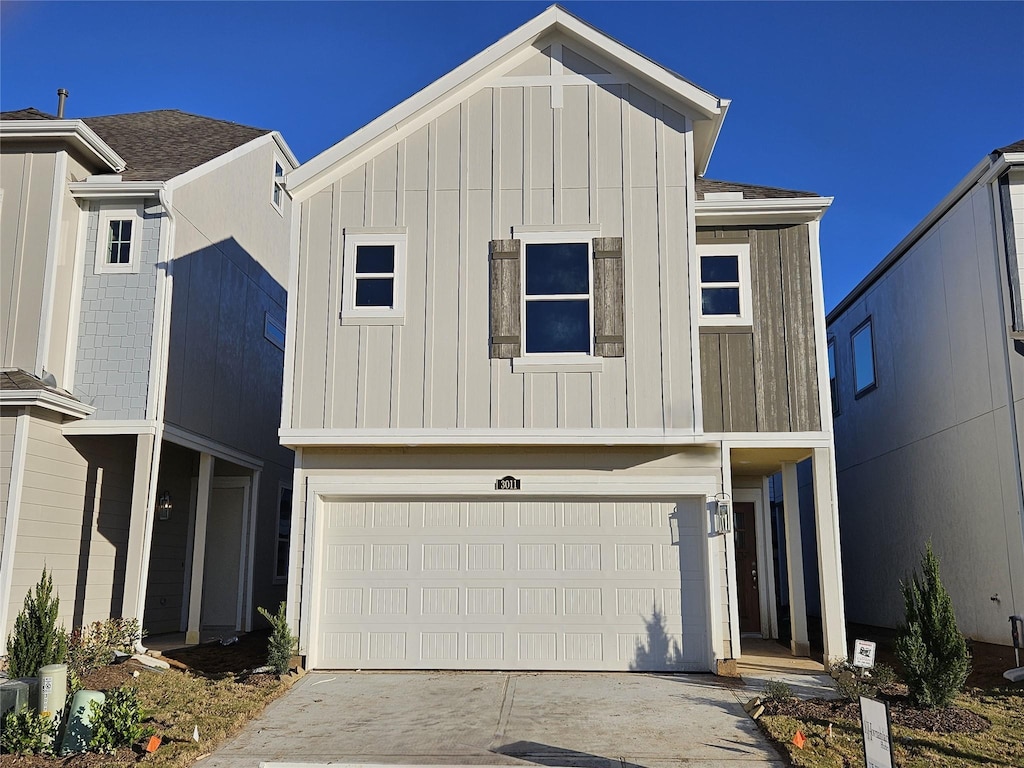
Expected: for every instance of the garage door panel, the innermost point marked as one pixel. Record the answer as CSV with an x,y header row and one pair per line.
x,y
516,585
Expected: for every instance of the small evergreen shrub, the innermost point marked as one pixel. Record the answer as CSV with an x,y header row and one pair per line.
x,y
27,733
117,722
930,647
282,641
93,645
853,682
777,690
37,640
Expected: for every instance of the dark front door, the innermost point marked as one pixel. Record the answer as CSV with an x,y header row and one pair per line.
x,y
746,567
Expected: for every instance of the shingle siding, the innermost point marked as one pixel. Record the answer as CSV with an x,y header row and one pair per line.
x,y
115,334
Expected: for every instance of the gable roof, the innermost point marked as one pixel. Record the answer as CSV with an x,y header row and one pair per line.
x,y
1017,146
707,109
160,144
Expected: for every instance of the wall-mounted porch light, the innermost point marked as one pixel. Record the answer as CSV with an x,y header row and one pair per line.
x,y
721,512
164,506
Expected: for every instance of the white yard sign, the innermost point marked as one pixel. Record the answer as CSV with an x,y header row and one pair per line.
x,y
874,724
864,654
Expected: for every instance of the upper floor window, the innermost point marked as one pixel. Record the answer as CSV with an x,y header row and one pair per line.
x,y
284,534
117,243
724,284
273,330
374,278
557,297
833,384
863,358
277,190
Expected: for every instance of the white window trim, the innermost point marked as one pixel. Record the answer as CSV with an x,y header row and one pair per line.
x,y
350,313
277,184
548,361
120,213
278,579
742,252
270,324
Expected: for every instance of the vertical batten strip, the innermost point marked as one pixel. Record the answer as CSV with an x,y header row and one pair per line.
x,y
665,314
628,243
464,274
693,271
396,341
428,284
592,145
334,289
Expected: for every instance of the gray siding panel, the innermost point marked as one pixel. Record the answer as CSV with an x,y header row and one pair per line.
x,y
769,331
115,331
801,362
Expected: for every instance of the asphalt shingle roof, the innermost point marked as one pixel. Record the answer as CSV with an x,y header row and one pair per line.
x,y
15,379
1017,146
750,191
160,144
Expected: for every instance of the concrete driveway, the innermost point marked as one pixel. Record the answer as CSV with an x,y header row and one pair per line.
x,y
585,720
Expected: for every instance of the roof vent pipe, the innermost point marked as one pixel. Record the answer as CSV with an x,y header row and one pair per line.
x,y
62,94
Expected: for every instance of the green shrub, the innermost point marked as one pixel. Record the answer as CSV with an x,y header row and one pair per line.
x,y
37,640
776,690
930,647
117,722
853,682
93,645
282,641
27,733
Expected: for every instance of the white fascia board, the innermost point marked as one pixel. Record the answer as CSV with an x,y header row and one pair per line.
x,y
285,149
75,132
44,398
979,172
202,444
788,210
221,160
88,190
111,427
301,182
531,437
709,137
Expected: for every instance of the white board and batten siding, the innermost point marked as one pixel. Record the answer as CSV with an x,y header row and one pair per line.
x,y
611,160
585,584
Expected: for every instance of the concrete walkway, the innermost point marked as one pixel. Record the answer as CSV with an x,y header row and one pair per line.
x,y
585,720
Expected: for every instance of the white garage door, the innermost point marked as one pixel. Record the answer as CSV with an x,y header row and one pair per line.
x,y
573,585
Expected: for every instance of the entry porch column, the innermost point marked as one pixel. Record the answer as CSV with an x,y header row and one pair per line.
x,y
137,560
798,643
195,599
830,567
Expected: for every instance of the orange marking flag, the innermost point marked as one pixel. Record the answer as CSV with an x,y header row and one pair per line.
x,y
799,739
153,743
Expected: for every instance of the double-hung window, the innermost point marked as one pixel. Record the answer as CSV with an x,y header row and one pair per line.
x,y
724,284
374,278
118,240
277,188
557,305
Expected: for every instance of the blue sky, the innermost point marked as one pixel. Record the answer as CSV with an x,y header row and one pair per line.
x,y
884,106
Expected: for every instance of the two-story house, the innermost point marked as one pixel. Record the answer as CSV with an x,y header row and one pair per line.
x,y
539,370
143,314
929,381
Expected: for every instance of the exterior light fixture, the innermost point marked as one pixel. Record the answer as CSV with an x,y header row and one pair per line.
x,y
721,510
164,506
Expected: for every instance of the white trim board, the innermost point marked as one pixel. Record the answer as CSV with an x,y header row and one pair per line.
x,y
44,398
53,242
202,444
111,427
76,132
13,514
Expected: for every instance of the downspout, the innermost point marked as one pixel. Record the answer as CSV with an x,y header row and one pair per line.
x,y
160,396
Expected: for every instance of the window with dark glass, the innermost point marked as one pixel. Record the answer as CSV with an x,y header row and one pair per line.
x,y
833,384
284,533
720,285
119,241
375,276
863,358
557,298
277,191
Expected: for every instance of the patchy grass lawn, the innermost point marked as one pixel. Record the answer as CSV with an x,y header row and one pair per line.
x,y
1000,745
174,703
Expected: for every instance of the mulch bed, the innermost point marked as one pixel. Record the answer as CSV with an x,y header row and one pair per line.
x,y
214,659
950,719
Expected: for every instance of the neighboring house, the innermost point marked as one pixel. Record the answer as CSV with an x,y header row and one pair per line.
x,y
928,383
143,314
512,418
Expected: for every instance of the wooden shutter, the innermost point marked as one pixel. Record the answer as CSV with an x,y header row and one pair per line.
x,y
609,337
506,336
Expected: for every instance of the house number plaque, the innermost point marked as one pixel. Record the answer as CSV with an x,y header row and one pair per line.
x,y
507,483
